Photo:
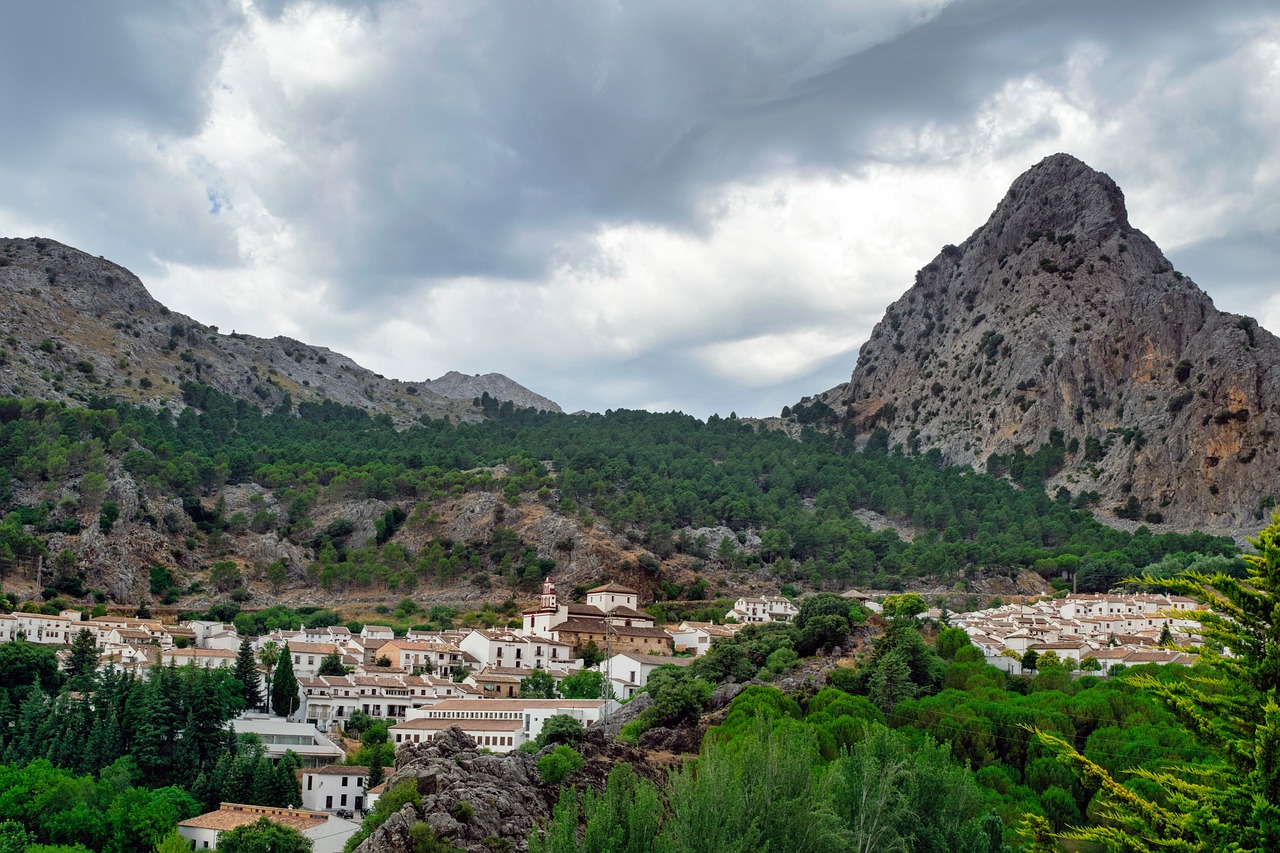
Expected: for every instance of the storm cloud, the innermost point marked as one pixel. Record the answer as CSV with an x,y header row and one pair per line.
x,y
663,205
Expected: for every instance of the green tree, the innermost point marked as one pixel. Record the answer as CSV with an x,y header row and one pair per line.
x,y
246,672
331,664
263,836
950,641
1030,659
583,684
1231,707
905,605
82,664
561,728
269,656
284,687
538,685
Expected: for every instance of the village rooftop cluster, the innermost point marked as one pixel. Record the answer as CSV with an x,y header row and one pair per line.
x,y
424,682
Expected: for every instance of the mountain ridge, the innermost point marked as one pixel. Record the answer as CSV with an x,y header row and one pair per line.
x,y
1058,324
75,326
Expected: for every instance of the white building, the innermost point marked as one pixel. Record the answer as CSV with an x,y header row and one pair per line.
x,y
278,736
336,786
506,723
508,649
768,608
697,637
328,834
629,672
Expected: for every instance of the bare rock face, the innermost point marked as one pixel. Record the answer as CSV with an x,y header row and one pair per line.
x,y
1059,323
504,795
76,325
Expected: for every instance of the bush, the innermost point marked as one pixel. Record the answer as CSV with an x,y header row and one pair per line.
x,y
560,764
561,728
464,812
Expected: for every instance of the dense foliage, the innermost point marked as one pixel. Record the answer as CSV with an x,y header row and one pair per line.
x,y
657,476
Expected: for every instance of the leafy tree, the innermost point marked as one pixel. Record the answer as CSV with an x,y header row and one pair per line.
x,y
950,641
583,684
559,764
905,605
264,836
284,687
1030,659
561,728
538,685
331,664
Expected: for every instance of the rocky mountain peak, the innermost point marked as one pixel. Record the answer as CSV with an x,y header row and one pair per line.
x,y
73,326
1057,324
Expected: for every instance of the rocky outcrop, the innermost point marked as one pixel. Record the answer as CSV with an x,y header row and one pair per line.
x,y
476,798
75,326
1058,323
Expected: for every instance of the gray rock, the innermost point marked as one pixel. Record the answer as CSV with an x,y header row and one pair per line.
x,y
1057,316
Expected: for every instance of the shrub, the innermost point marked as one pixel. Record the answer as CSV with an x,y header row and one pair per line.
x,y
560,764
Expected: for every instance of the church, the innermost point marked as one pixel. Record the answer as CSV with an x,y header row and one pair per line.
x,y
609,619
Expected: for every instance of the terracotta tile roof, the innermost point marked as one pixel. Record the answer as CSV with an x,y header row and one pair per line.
x,y
614,587
232,815
296,647
513,704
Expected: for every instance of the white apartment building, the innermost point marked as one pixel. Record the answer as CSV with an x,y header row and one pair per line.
x,y
333,787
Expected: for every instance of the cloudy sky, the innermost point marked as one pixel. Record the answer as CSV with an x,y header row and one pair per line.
x,y
701,206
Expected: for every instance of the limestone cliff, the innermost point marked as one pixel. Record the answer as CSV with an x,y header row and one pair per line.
x,y
1058,322
73,326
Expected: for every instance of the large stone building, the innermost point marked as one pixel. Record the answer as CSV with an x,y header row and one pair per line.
x,y
609,620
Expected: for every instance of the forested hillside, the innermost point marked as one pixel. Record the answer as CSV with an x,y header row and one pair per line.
x,y
222,499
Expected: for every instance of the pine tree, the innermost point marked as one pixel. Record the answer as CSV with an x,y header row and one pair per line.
x,y
288,788
284,687
83,662
246,672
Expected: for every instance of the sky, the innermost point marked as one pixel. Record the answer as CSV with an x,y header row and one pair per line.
x,y
662,204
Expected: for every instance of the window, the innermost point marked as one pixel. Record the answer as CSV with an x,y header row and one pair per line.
x,y
328,802
344,799
344,782
310,779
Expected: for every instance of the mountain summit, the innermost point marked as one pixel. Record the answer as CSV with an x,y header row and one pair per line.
x,y
74,326
1059,332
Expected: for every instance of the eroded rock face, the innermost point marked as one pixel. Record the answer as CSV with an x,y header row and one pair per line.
x,y
1057,321
504,794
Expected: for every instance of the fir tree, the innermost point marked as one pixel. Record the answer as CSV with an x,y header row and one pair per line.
x,y
246,672
83,662
284,687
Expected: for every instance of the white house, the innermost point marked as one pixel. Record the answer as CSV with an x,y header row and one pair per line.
x,y
508,649
768,608
278,736
336,786
629,672
328,834
510,721
697,637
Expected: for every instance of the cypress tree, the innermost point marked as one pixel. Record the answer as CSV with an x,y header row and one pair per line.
x,y
246,672
284,687
83,663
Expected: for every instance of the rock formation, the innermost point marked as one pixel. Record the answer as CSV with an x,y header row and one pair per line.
x,y
73,326
1058,324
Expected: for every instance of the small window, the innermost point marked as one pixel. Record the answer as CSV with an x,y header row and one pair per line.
x,y
344,781
328,802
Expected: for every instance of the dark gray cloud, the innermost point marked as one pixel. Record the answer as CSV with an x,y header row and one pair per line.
x,y
671,193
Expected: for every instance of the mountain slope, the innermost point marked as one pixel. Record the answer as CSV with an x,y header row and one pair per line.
x,y
74,325
1058,325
